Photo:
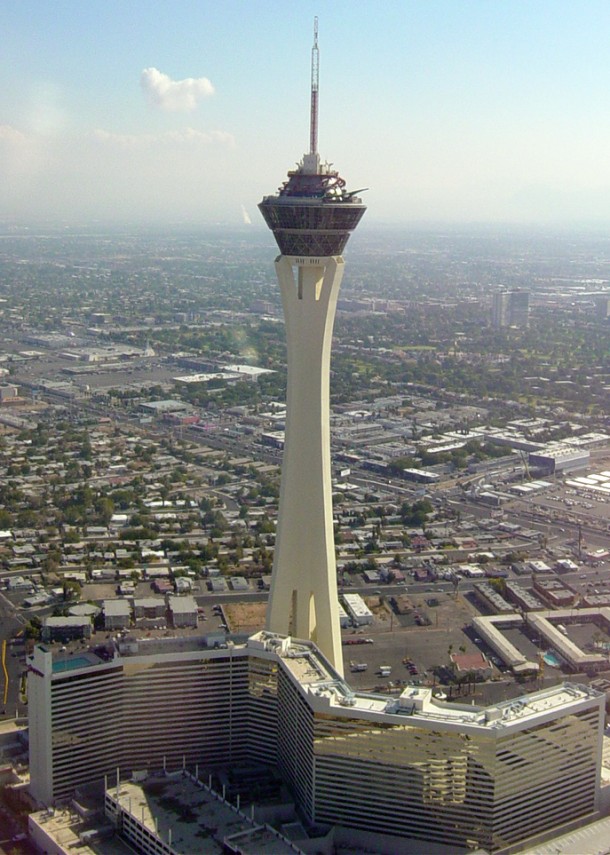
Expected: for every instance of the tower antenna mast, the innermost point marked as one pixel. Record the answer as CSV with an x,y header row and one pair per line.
x,y
315,79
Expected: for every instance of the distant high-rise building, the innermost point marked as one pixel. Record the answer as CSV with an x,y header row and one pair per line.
x,y
499,309
519,308
510,308
311,217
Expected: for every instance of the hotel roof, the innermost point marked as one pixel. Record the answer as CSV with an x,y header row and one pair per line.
x,y
327,691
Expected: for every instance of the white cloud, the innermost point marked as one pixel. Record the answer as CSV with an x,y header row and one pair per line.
x,y
190,135
186,136
174,95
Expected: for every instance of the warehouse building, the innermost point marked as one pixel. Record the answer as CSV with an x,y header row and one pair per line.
x,y
558,458
357,609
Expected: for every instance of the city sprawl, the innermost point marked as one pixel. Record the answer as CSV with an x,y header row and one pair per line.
x,y
142,424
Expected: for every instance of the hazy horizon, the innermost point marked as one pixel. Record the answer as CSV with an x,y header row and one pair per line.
x,y
191,112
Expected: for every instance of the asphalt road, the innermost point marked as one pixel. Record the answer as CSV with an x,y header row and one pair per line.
x,y
11,622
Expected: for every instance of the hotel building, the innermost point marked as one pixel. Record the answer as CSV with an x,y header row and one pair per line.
x,y
409,766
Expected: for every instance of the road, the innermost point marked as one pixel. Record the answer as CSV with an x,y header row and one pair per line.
x,y
11,622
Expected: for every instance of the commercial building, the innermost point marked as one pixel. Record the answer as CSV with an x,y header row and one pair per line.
x,y
559,457
555,593
8,392
65,627
552,627
357,609
523,598
117,614
493,600
149,608
468,664
140,703
183,610
160,408
490,629
343,616
158,818
409,766
510,308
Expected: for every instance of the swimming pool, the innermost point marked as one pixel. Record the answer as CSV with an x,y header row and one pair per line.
x,y
551,658
70,663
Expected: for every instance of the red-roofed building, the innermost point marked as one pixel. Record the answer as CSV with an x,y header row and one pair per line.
x,y
468,663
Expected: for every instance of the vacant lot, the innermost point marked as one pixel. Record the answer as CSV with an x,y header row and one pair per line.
x,y
245,617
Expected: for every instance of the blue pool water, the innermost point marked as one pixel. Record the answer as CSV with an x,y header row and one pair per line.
x,y
70,663
551,658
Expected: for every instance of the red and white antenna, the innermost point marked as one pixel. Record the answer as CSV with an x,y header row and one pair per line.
x,y
315,79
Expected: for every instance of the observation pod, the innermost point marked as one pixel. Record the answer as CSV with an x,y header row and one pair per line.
x,y
312,214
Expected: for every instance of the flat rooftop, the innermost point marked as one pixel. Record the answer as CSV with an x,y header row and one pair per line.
x,y
64,828
73,655
326,689
193,818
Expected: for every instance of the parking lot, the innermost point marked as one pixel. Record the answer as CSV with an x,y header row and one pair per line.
x,y
426,646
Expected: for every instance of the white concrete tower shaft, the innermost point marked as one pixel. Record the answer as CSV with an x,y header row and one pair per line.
x,y
312,217
303,600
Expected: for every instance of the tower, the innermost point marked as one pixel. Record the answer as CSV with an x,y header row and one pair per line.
x,y
499,309
311,217
519,307
510,308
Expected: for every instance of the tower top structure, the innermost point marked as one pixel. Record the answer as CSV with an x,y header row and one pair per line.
x,y
315,84
313,214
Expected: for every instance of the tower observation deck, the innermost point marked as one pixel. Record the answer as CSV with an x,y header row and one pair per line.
x,y
312,213
311,216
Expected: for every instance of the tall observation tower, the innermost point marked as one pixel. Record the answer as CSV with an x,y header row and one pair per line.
x,y
311,217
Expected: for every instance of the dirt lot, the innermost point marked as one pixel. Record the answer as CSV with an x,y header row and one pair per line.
x,y
245,617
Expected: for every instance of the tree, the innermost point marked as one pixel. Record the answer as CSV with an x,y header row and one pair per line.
x,y
33,628
104,508
499,585
71,590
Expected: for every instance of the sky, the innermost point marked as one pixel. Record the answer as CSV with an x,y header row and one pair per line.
x,y
450,111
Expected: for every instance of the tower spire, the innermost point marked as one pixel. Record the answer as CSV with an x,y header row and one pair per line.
x,y
315,80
